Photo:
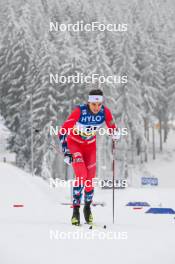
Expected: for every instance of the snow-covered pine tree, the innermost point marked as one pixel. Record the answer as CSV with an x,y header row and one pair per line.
x,y
13,78
44,100
129,101
171,81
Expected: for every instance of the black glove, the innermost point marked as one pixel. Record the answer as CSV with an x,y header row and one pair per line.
x,y
68,158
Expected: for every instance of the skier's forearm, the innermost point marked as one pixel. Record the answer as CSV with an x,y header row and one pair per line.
x,y
70,122
68,125
110,121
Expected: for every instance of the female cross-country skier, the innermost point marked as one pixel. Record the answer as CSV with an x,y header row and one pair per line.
x,y
79,147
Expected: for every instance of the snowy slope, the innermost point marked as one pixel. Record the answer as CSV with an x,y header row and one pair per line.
x,y
164,165
25,232
162,168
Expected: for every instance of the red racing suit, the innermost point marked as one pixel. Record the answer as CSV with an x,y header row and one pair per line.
x,y
79,139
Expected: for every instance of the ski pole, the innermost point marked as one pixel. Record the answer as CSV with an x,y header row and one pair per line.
x,y
113,180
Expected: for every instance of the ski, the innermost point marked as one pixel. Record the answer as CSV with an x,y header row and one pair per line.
x,y
94,226
93,204
91,226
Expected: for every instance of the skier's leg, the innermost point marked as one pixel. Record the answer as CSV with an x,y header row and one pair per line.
x,y
77,195
75,220
80,170
90,161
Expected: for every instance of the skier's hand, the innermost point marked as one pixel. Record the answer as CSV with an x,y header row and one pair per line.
x,y
116,136
68,158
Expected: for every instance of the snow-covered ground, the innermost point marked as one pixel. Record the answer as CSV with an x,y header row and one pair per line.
x,y
26,233
162,168
40,231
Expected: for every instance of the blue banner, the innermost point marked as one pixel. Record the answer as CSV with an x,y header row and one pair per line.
x,y
149,181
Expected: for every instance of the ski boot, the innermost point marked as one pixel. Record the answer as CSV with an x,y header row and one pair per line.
x,y
76,216
87,213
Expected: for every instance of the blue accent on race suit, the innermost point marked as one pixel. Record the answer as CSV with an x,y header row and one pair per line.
x,y
90,120
87,119
63,140
77,195
88,196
